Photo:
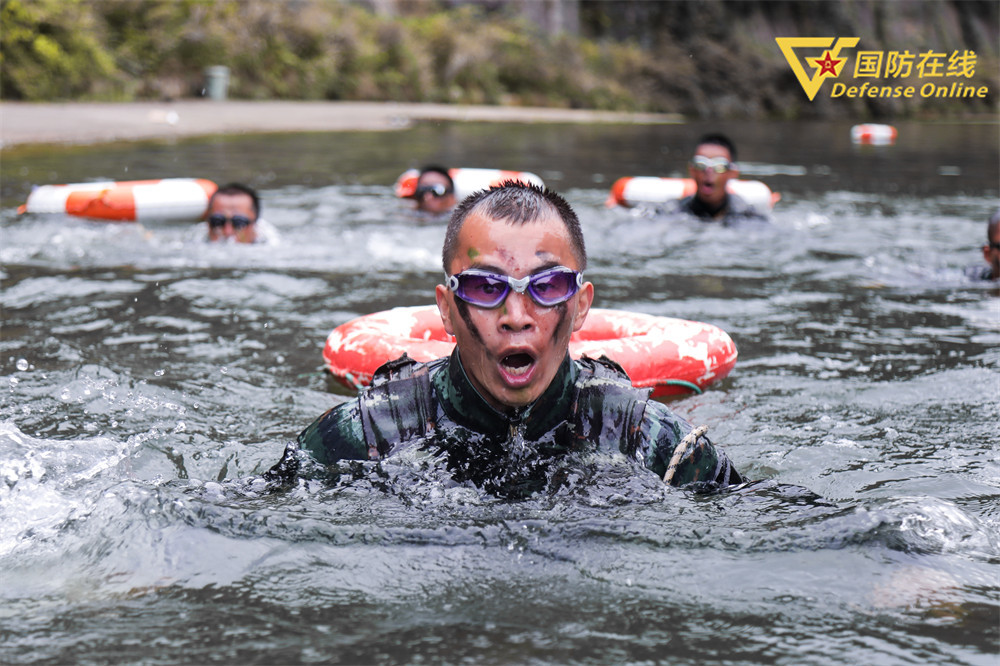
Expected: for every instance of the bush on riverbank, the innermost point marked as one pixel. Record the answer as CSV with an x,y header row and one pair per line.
x,y
126,50
704,59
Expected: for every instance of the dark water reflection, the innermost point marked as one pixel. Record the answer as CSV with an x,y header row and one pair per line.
x,y
148,377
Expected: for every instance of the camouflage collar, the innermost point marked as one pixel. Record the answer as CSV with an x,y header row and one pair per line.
x,y
463,403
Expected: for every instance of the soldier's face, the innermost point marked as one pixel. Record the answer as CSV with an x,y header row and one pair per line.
x,y
710,184
512,352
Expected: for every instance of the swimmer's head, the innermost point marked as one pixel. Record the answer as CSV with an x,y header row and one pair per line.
x,y
514,290
435,192
711,167
514,202
232,214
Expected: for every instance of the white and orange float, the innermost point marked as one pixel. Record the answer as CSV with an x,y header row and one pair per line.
x,y
466,180
125,201
637,190
873,134
669,356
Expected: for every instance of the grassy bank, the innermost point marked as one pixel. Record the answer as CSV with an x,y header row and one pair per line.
x,y
705,59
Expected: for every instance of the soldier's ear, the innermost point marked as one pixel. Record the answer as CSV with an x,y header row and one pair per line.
x,y
584,299
442,296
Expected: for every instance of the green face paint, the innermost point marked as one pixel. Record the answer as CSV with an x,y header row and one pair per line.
x,y
472,253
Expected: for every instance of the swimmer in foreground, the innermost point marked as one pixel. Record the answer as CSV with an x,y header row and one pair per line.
x,y
991,253
435,191
509,403
711,167
232,214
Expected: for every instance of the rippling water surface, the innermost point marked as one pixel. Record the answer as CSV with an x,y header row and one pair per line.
x,y
148,378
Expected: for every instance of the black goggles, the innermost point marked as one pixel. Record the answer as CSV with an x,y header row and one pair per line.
x,y
217,221
437,190
994,246
488,290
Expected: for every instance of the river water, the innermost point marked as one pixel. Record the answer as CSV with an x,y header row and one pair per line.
x,y
148,378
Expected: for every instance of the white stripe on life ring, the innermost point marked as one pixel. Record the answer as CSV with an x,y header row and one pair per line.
x,y
633,191
125,201
467,180
873,134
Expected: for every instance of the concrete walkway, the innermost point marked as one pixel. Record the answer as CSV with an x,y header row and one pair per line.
x,y
83,123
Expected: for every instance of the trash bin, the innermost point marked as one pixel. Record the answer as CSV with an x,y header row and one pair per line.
x,y
216,81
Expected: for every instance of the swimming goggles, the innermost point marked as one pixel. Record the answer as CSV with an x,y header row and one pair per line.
x,y
437,189
716,164
217,221
488,290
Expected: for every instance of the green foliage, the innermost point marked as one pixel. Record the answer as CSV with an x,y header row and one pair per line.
x,y
305,50
52,50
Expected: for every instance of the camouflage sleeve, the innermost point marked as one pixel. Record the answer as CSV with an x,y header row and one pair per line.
x,y
701,463
336,435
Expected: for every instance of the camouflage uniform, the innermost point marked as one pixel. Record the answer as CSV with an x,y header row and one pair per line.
x,y
736,211
590,405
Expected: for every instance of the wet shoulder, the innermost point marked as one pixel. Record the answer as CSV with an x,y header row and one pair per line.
x,y
979,273
742,214
335,435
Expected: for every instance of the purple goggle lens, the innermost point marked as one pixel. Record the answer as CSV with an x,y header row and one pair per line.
x,y
488,290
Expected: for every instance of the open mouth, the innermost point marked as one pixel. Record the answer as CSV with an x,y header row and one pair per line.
x,y
517,364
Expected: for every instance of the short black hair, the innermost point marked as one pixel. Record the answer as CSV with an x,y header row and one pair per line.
x,y
514,202
716,139
239,188
437,168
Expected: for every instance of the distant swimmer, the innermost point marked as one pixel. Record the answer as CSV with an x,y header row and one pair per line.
x,y
233,215
509,405
991,253
711,167
435,191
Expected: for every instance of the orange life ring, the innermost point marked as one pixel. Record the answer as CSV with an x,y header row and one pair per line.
x,y
125,201
670,356
632,191
874,135
466,180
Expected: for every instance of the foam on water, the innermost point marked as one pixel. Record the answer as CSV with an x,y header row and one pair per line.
x,y
149,378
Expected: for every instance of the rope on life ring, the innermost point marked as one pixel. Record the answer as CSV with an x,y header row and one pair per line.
x,y
686,384
675,460
353,380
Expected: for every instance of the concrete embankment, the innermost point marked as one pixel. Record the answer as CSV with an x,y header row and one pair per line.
x,y
83,123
